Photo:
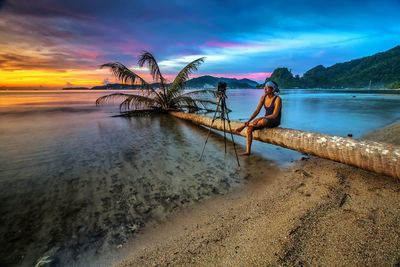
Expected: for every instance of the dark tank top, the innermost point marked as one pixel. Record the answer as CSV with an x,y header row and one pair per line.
x,y
269,110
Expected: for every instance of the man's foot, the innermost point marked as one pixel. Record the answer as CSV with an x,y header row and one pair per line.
x,y
245,154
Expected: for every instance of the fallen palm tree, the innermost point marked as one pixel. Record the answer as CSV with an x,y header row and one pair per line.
x,y
372,156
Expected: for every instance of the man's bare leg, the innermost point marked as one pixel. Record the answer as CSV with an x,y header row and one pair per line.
x,y
249,140
249,137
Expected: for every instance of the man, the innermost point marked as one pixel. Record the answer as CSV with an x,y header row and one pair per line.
x,y
273,106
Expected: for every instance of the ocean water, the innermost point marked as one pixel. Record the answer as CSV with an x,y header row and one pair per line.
x,y
73,178
327,111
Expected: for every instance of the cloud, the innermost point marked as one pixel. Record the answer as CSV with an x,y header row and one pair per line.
x,y
235,36
47,8
46,61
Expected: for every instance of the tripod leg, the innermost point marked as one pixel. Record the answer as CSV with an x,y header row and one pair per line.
x,y
223,121
209,130
234,145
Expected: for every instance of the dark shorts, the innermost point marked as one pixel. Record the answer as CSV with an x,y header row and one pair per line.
x,y
271,123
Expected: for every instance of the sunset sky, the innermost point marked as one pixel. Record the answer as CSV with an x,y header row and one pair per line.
x,y
53,43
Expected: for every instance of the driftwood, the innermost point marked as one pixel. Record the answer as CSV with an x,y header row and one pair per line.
x,y
372,156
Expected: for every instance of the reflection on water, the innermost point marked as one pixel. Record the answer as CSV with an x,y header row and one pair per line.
x,y
72,178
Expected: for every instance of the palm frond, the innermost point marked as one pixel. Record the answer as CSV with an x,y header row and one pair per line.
x,y
183,75
193,103
169,98
174,93
146,58
138,102
128,100
107,99
190,104
200,92
125,75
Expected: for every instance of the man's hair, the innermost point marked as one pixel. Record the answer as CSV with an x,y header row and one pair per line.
x,y
274,85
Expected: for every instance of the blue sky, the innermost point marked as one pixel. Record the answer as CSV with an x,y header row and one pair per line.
x,y
239,38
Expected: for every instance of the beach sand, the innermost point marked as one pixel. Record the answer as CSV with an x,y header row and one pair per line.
x,y
315,213
389,134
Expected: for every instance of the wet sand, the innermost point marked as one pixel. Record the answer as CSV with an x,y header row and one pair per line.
x,y
389,134
315,213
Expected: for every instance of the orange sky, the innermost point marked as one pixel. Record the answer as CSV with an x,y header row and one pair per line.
x,y
63,43
33,78
74,78
57,79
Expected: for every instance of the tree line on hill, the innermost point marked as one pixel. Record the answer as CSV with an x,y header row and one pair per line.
x,y
376,71
206,82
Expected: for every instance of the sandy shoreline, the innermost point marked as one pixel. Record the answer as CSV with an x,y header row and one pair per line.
x,y
317,212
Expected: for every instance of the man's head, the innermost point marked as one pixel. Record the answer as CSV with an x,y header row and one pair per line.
x,y
271,87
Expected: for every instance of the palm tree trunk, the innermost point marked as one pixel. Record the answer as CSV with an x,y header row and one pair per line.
x,y
372,156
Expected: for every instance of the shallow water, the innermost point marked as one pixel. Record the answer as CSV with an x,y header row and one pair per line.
x,y
73,178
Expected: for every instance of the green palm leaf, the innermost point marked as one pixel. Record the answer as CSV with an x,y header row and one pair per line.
x,y
183,75
111,98
128,100
200,92
172,98
125,75
146,58
174,94
193,103
138,102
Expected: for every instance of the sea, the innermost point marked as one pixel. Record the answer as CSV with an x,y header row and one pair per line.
x,y
74,178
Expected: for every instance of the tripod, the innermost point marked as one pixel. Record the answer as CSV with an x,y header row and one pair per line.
x,y
224,116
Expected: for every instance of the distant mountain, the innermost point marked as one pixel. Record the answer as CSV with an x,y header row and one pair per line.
x,y
212,82
200,82
76,88
115,86
378,70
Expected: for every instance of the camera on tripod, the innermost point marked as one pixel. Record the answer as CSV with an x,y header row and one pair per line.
x,y
221,112
221,90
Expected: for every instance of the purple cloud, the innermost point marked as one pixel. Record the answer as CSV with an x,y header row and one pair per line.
x,y
237,37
